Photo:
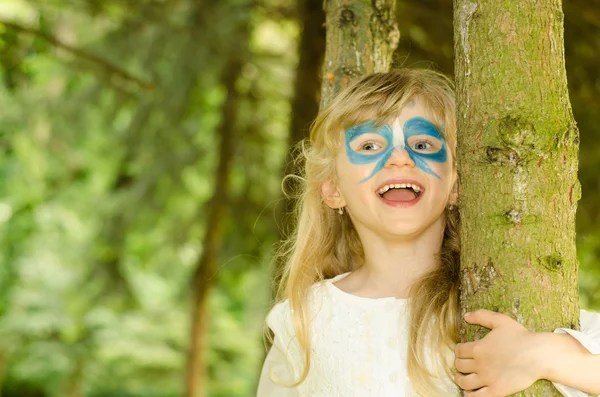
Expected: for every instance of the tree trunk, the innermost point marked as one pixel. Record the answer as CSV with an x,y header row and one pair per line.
x,y
217,207
305,103
205,268
75,386
361,38
517,163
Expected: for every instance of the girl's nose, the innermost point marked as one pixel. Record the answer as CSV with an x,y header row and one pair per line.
x,y
399,158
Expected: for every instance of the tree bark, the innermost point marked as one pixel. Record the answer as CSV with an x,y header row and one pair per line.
x,y
206,265
517,161
305,105
75,387
361,38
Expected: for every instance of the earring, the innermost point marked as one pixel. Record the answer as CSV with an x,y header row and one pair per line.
x,y
341,210
451,207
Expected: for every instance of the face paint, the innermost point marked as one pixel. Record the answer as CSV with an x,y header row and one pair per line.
x,y
421,126
396,138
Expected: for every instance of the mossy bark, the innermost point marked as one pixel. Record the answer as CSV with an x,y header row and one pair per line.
x,y
361,38
517,162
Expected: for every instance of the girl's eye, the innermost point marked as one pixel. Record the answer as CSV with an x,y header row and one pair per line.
x,y
423,145
370,146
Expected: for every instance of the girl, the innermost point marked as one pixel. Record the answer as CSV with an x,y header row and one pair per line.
x,y
369,294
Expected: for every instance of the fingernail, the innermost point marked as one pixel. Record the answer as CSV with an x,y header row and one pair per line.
x,y
467,314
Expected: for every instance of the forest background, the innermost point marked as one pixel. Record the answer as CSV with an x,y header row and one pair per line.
x,y
142,147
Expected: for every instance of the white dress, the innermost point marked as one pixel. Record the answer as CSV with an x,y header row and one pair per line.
x,y
358,347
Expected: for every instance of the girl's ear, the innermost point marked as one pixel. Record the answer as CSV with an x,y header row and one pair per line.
x,y
331,195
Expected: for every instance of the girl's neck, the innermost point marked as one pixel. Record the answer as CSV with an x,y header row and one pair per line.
x,y
391,267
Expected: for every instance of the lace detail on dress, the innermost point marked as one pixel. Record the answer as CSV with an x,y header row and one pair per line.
x,y
358,345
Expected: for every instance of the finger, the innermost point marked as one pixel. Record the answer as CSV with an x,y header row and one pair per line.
x,y
468,382
486,318
464,350
465,365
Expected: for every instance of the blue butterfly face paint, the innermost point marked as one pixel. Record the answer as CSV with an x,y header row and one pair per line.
x,y
407,137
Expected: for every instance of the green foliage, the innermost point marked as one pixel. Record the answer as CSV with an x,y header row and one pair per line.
x,y
108,147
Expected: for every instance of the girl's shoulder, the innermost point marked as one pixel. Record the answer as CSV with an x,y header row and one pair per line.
x,y
319,298
589,333
590,322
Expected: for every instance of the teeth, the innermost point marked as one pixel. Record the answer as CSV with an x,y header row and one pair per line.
x,y
384,189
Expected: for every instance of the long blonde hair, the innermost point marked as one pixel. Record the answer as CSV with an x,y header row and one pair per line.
x,y
325,244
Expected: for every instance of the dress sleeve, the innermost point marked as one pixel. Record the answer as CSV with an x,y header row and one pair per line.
x,y
589,337
278,368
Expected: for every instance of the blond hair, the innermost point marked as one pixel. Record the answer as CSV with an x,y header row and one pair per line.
x,y
325,244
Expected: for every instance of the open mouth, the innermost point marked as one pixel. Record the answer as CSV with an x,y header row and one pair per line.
x,y
400,192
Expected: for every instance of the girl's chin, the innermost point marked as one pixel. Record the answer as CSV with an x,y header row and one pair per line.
x,y
409,228
405,232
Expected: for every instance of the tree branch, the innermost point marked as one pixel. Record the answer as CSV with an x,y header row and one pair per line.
x,y
106,65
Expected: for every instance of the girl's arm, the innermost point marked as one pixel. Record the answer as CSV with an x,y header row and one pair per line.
x,y
278,367
511,358
565,375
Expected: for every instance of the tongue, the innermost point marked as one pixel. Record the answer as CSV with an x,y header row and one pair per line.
x,y
400,195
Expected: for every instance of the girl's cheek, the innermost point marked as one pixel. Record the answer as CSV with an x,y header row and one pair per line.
x,y
352,173
444,170
363,171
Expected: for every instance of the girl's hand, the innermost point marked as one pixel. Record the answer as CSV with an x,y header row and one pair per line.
x,y
504,362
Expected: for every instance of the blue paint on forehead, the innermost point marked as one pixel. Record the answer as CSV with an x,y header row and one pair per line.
x,y
412,127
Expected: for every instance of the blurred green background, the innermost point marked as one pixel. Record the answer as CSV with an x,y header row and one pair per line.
x,y
111,117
